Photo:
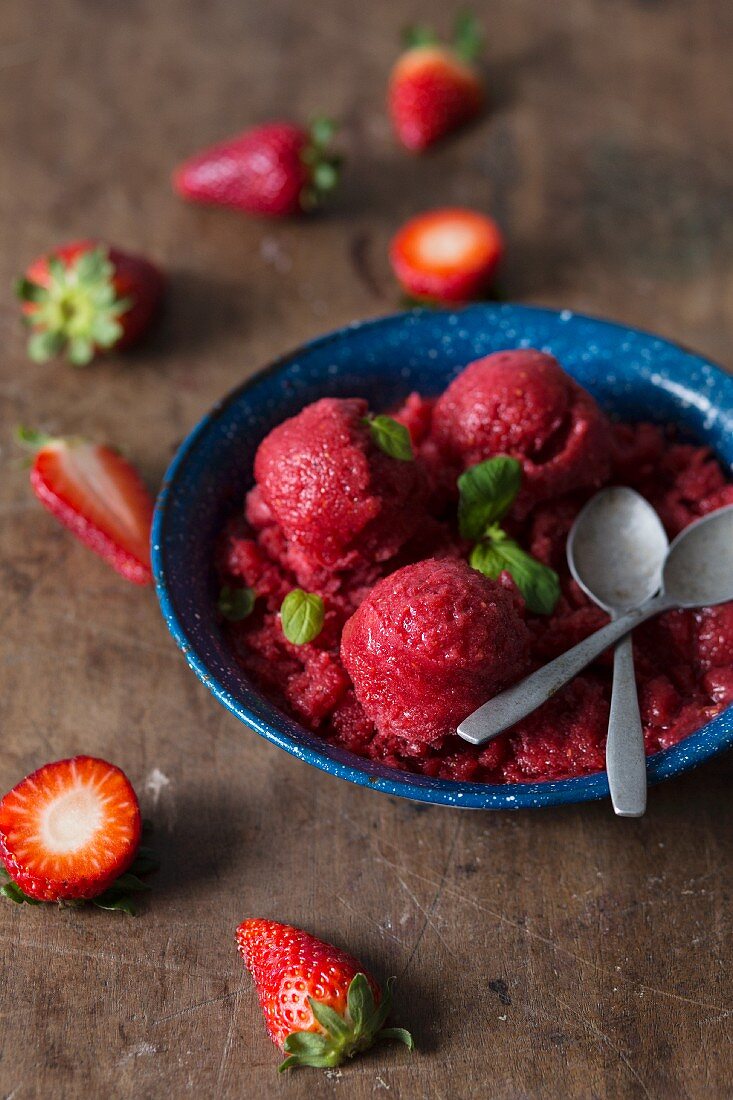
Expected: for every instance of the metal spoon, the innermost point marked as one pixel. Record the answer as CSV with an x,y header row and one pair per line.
x,y
698,572
618,582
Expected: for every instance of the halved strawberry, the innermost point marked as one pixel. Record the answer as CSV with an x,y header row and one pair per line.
x,y
68,830
433,88
98,495
447,255
85,297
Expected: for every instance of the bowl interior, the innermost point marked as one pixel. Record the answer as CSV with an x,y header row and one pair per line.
x,y
633,374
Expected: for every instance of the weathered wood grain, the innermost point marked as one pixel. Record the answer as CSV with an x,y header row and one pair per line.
x,y
543,955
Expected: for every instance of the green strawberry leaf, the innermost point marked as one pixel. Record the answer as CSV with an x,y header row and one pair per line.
x,y
13,892
145,861
236,604
419,34
346,1035
401,1034
119,904
43,346
322,131
391,437
486,493
468,37
301,615
329,1019
28,291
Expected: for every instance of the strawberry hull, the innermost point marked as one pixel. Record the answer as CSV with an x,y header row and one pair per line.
x,y
108,305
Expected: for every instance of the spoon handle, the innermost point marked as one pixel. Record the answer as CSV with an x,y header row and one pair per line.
x,y
625,756
518,701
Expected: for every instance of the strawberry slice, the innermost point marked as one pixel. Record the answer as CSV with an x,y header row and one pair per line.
x,y
447,255
70,829
99,496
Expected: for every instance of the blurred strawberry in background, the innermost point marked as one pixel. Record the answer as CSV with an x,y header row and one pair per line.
x,y
86,297
435,88
274,170
447,255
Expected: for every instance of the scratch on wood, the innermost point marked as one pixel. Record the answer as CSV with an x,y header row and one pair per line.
x,y
226,1049
502,918
194,1007
362,916
436,897
590,1026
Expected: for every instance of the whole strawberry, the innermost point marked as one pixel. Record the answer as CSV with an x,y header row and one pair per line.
x,y
320,1005
87,297
435,88
273,170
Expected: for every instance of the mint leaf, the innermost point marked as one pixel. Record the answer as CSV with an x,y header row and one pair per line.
x,y
487,559
302,614
487,492
539,585
236,604
391,437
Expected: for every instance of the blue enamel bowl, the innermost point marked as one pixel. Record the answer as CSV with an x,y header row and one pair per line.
x,y
633,374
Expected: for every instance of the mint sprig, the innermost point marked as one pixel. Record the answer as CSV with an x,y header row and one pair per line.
x,y
236,604
301,615
486,493
391,437
539,585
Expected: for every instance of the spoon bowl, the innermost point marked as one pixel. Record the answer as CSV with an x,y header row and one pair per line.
x,y
616,549
699,566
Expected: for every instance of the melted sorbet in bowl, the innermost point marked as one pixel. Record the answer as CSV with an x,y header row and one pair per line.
x,y
414,638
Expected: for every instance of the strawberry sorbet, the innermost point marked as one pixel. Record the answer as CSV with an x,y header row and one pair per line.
x,y
413,638
428,645
521,403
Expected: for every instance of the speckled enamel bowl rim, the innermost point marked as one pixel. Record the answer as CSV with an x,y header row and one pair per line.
x,y
693,750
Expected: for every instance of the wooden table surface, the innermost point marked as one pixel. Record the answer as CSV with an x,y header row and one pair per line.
x,y
540,954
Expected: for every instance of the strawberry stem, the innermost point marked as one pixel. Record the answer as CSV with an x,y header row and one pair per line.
x,y
468,38
324,165
419,34
344,1036
31,439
